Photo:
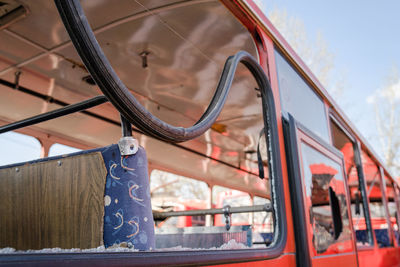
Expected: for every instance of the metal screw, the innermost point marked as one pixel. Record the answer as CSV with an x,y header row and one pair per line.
x,y
144,55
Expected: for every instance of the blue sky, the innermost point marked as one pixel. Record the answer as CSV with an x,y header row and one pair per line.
x,y
364,36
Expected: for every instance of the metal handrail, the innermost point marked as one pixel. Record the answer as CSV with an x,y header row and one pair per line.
x,y
225,210
89,103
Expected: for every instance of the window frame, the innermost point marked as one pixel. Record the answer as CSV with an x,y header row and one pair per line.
x,y
385,200
360,173
305,137
382,189
285,113
292,142
278,202
202,257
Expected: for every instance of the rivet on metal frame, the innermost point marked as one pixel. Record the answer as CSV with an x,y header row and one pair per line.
x,y
128,145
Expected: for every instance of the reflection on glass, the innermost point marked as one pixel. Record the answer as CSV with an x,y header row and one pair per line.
x,y
344,144
299,99
393,214
376,207
326,197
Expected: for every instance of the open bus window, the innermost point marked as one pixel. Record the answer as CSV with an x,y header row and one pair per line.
x,y
393,212
173,195
343,143
397,211
171,192
263,224
59,149
326,197
376,206
176,77
16,147
223,197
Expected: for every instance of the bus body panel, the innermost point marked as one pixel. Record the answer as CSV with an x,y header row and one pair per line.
x,y
379,257
286,259
335,260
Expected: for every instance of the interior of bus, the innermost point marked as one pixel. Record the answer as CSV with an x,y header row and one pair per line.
x,y
159,52
276,172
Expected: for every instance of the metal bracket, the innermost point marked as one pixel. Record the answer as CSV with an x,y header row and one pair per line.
x,y
128,145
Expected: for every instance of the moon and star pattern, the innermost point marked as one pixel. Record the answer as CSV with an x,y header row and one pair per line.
x,y
128,216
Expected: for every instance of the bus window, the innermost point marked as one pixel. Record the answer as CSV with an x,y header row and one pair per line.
x,y
376,206
59,149
358,208
326,198
16,147
263,223
223,197
299,99
393,212
397,203
171,192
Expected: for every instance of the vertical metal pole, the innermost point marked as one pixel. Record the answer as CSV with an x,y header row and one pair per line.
x,y
362,183
125,126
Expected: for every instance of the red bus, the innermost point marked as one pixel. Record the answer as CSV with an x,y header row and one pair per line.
x,y
231,152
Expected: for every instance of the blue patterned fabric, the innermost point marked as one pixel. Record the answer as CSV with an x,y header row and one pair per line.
x,y
127,208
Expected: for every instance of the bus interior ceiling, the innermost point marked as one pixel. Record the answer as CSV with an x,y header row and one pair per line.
x,y
169,54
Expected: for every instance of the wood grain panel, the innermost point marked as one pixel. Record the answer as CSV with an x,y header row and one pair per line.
x,y
47,204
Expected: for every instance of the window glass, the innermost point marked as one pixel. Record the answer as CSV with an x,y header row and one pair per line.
x,y
300,100
393,214
397,203
376,206
59,149
16,147
326,198
358,208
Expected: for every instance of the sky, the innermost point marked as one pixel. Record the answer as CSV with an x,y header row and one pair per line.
x,y
364,37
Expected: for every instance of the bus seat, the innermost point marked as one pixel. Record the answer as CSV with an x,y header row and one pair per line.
x,y
81,200
362,236
382,237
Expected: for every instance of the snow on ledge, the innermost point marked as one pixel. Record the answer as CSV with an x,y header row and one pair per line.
x,y
231,244
9,250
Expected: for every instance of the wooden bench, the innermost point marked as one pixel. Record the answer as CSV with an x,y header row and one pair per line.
x,y
82,200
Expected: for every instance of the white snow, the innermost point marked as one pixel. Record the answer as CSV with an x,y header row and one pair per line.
x,y
9,250
231,244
